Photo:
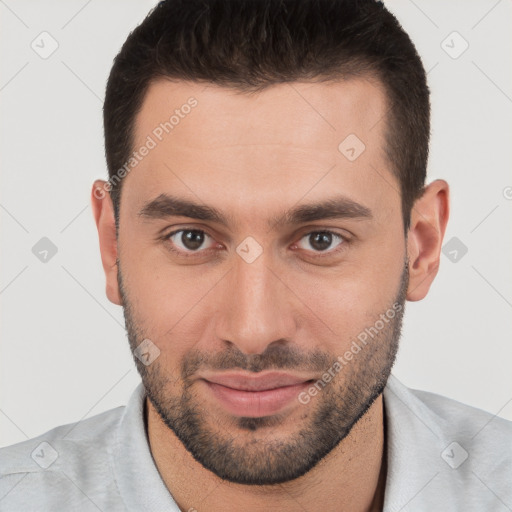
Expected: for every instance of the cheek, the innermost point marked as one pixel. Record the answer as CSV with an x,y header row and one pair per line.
x,y
171,307
342,304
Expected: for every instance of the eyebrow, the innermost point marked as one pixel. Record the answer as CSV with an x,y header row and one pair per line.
x,y
337,207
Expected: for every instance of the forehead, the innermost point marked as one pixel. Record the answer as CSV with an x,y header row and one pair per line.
x,y
209,142
314,114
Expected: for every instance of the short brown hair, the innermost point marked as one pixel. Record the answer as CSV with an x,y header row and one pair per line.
x,y
252,44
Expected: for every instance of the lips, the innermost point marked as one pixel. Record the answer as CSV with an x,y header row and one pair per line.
x,y
260,382
255,396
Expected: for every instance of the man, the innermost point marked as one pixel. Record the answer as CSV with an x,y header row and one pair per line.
x,y
265,219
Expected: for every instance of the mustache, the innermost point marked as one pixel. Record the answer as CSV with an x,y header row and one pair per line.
x,y
275,357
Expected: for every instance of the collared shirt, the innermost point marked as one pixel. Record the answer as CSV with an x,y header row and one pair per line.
x,y
441,456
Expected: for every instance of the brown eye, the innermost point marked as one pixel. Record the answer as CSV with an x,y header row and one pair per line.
x,y
321,241
188,240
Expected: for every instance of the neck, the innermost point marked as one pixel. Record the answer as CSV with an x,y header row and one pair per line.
x,y
351,477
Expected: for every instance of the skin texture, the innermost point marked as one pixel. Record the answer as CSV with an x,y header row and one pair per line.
x,y
295,307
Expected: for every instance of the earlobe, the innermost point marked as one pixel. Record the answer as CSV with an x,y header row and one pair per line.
x,y
103,212
429,217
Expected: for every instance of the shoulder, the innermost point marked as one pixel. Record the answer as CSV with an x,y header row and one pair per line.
x,y
448,415
479,425
77,439
486,437
464,453
72,460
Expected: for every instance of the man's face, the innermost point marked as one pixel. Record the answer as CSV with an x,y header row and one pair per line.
x,y
260,290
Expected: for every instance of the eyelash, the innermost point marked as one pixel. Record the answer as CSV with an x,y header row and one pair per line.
x,y
341,247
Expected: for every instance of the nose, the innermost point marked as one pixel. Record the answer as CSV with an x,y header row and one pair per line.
x,y
256,306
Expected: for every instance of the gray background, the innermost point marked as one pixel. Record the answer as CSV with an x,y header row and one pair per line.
x,y
64,355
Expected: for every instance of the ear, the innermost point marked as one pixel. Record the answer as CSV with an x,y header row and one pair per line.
x,y
103,211
429,217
